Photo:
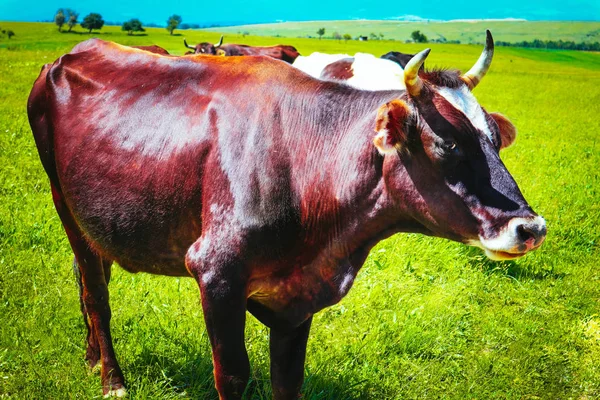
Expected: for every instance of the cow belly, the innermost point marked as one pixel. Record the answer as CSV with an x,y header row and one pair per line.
x,y
141,213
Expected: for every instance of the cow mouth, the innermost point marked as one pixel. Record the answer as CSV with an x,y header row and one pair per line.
x,y
502,255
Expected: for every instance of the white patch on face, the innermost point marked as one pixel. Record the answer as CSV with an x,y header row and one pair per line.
x,y
372,73
315,63
463,100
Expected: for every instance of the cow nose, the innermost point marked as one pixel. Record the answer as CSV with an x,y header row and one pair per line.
x,y
532,233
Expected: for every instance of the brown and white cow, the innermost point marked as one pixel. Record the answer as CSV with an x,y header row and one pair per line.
x,y
280,52
267,186
362,71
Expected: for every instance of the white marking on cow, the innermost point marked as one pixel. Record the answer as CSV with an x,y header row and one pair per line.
x,y
372,73
507,239
346,283
316,62
463,100
120,392
208,277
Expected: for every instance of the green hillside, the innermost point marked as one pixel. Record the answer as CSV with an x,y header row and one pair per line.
x,y
466,32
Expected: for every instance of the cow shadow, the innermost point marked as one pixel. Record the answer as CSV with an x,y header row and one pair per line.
x,y
192,377
84,33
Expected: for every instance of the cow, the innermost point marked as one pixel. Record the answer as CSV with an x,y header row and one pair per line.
x,y
265,185
363,71
316,62
280,52
400,58
367,72
153,49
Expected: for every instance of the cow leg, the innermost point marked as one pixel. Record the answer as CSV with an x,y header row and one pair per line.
x,y
222,282
92,354
95,299
288,352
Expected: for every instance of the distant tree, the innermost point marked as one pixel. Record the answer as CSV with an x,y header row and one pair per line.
x,y
321,32
418,37
337,36
133,25
373,36
10,33
92,21
381,36
184,26
347,37
59,19
245,33
71,16
173,23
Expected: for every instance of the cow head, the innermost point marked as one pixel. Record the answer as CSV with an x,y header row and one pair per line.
x,y
205,47
401,59
445,149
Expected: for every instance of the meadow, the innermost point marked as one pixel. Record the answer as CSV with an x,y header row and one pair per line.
x,y
426,318
465,32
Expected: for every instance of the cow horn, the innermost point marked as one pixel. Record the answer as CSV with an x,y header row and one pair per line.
x,y
188,46
413,83
478,71
220,43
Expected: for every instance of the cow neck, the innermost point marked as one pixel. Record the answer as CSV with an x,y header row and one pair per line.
x,y
363,212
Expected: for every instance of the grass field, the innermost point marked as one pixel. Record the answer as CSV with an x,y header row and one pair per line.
x,y
466,32
426,318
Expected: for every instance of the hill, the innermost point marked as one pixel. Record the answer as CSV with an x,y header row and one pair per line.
x,y
464,31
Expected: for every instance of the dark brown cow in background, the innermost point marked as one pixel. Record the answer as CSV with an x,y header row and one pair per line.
x,y
400,58
280,52
271,202
153,49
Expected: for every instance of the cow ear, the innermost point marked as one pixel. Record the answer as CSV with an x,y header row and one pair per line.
x,y
508,132
391,127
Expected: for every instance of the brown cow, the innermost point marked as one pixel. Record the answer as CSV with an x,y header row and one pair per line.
x,y
153,49
280,51
271,202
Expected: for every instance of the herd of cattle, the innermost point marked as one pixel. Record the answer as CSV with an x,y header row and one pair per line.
x,y
384,73
268,183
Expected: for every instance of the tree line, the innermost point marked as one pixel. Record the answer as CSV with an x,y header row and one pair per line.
x,y
553,44
94,21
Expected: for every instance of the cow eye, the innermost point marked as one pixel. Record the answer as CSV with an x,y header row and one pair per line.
x,y
451,148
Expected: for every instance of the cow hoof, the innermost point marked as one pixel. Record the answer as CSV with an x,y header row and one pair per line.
x,y
120,392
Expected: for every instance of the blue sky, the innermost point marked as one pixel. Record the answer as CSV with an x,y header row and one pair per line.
x,y
155,11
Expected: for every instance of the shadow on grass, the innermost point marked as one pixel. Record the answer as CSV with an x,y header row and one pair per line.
x,y
522,269
93,32
192,377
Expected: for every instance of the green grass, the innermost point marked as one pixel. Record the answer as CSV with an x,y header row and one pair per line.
x,y
466,32
426,318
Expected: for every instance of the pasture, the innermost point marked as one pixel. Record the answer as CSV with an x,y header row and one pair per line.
x,y
426,318
465,31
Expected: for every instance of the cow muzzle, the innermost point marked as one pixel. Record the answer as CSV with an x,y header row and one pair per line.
x,y
517,238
